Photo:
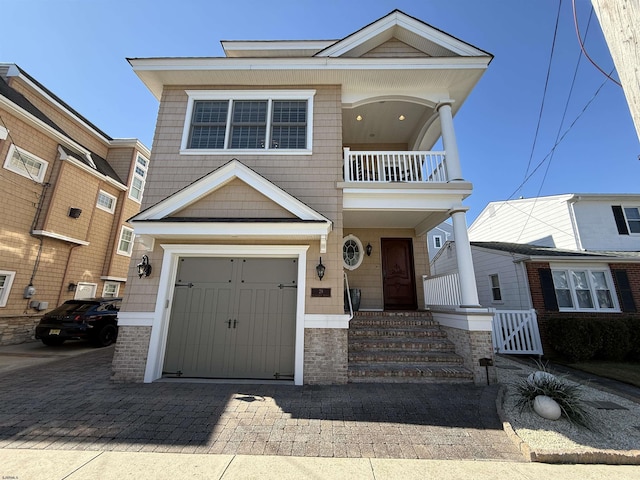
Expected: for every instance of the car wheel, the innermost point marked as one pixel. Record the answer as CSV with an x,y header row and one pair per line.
x,y
52,341
106,336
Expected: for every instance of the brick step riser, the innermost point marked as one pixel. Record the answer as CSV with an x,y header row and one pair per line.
x,y
408,380
411,346
399,323
381,357
392,333
410,374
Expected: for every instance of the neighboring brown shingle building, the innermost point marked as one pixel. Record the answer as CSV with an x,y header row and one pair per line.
x,y
67,192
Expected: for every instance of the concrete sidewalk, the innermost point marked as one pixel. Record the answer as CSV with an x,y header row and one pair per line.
x,y
74,465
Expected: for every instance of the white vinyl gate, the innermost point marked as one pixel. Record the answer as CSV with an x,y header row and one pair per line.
x,y
516,332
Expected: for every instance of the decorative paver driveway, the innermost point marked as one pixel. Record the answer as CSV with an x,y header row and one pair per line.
x,y
71,404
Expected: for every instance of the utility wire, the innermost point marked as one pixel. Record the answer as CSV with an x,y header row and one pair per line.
x,y
544,93
564,115
575,21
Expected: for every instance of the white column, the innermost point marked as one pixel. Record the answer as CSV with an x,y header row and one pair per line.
x,y
468,288
449,142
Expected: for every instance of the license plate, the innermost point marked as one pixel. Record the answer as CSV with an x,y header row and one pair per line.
x,y
54,331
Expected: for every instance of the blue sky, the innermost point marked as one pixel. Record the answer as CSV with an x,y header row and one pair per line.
x,y
78,49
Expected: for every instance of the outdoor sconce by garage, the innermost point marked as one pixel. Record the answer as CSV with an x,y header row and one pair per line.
x,y
369,249
144,268
75,212
320,268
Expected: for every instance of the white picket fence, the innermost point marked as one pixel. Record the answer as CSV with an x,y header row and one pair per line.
x,y
516,332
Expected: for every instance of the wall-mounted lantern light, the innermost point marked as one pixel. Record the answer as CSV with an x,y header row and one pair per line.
x,y
72,287
75,212
369,249
320,269
144,267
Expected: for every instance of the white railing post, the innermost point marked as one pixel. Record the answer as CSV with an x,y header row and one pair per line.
x,y
347,165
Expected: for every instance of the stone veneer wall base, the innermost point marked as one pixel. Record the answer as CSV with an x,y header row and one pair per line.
x,y
325,356
130,356
473,346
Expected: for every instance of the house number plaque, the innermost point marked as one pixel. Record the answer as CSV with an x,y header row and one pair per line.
x,y
320,292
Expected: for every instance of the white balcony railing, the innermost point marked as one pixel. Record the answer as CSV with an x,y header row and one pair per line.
x,y
442,290
393,166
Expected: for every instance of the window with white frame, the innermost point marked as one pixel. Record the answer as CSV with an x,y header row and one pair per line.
x,y
106,202
125,243
26,164
6,280
584,289
352,252
111,289
496,293
139,178
632,216
437,241
248,121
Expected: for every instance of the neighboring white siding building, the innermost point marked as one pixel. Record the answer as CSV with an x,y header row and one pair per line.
x,y
437,237
569,221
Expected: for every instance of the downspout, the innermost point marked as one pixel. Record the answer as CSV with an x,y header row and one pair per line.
x,y
574,225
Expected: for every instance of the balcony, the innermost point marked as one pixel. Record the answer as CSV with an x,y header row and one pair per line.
x,y
394,166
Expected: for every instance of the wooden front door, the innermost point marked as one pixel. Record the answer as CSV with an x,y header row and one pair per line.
x,y
398,274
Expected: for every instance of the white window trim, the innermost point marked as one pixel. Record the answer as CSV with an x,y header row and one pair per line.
x,y
104,288
438,237
24,173
624,213
587,268
124,252
196,95
81,285
113,204
143,179
4,295
499,287
360,249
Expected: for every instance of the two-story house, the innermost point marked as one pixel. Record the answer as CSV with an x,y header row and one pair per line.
x,y
561,255
67,192
283,171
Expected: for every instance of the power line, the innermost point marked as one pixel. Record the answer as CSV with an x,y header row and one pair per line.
x,y
544,93
575,21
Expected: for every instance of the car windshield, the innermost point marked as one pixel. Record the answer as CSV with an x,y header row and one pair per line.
x,y
71,308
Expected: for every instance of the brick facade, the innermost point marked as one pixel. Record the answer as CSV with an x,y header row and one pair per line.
x,y
325,356
473,346
544,315
130,357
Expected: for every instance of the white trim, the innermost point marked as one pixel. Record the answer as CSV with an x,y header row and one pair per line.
x,y
10,276
92,286
44,165
104,288
360,251
3,133
114,201
326,321
232,95
131,143
136,319
172,253
109,278
57,236
569,268
469,319
133,237
217,179
231,229
142,178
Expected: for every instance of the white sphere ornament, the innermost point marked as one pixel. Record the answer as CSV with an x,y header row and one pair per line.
x,y
539,376
547,407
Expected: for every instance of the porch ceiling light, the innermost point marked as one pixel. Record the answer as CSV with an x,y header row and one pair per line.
x,y
359,118
144,267
320,269
401,117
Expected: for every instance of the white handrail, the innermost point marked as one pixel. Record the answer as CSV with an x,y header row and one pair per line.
x,y
346,280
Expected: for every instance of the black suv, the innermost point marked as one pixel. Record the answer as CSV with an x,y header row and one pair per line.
x,y
95,319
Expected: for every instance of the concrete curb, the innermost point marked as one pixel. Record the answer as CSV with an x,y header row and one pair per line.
x,y
605,457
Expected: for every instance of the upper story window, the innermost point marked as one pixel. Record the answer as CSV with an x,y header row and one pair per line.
x,y
632,216
125,243
26,164
106,202
111,289
584,289
248,121
139,178
6,280
437,241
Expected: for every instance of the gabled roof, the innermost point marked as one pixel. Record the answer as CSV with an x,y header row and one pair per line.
x,y
410,30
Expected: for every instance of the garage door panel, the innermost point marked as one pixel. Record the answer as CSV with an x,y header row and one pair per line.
x,y
242,325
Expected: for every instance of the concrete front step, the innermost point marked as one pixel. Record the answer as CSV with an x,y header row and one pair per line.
x,y
396,373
